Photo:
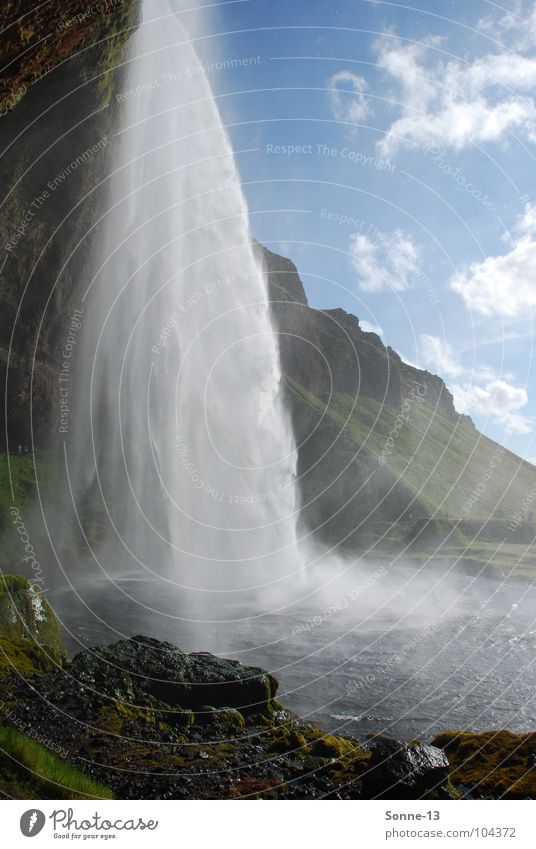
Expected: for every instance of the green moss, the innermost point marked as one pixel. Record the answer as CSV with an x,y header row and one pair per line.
x,y
23,656
30,771
181,718
20,473
112,717
492,764
349,768
226,718
24,612
286,740
115,31
330,746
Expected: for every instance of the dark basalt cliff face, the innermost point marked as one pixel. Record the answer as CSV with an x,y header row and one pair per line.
x,y
326,351
37,37
60,64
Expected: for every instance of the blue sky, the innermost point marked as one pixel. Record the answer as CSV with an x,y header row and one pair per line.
x,y
388,150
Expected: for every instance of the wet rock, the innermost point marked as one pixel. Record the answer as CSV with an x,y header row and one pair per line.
x,y
225,719
329,746
404,771
143,670
290,741
226,683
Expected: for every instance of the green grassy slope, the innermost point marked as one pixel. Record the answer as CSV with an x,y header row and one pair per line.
x,y
30,771
443,488
386,465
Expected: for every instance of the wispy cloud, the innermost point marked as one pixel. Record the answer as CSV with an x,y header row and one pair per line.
x,y
384,260
515,26
369,327
497,400
438,356
477,391
348,98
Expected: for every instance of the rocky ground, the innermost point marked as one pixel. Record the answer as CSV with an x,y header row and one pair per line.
x,y
147,720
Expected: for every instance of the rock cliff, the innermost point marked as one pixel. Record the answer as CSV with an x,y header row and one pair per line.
x,y
61,63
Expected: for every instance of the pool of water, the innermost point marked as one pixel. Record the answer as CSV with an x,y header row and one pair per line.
x,y
402,651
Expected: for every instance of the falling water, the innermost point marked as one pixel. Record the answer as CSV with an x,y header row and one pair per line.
x,y
185,460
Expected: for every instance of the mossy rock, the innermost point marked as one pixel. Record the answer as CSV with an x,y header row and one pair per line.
x,y
492,764
225,718
143,668
178,717
18,654
30,635
287,740
24,612
330,746
112,718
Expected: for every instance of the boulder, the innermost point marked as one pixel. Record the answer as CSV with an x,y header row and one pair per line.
x,y
137,670
226,683
400,770
144,670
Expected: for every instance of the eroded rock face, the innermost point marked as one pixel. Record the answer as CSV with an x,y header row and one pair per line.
x,y
399,770
58,114
36,37
327,351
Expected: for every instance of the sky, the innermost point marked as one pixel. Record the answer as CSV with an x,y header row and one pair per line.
x,y
389,150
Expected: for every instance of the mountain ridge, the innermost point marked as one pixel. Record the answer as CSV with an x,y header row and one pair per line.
x,y
385,462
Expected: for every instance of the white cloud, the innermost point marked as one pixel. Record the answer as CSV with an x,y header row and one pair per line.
x,y
438,356
494,398
409,361
386,261
503,285
497,400
369,327
349,102
449,102
517,25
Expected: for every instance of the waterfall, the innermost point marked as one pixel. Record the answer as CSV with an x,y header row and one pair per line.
x,y
184,461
